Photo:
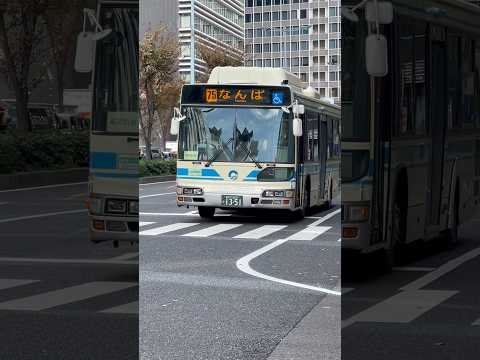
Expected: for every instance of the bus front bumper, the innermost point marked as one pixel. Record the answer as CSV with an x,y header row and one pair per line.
x,y
249,201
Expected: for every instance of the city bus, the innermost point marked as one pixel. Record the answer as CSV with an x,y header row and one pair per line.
x,y
113,177
410,132
256,138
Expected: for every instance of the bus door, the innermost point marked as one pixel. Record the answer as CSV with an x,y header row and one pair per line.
x,y
323,149
438,99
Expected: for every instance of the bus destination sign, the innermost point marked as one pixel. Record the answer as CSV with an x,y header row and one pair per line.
x,y
236,95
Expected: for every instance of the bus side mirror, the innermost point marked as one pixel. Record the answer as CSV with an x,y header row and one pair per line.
x,y
376,55
297,127
84,52
174,126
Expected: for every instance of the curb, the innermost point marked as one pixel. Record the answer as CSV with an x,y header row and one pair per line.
x,y
152,179
43,178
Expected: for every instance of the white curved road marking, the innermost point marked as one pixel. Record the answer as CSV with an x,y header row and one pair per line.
x,y
243,264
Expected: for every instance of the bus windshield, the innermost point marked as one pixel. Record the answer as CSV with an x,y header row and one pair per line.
x,y
115,106
355,82
233,134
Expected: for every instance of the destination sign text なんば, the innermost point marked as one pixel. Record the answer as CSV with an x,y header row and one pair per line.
x,y
236,95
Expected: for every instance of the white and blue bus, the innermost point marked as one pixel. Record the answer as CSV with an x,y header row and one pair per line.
x,y
255,138
411,129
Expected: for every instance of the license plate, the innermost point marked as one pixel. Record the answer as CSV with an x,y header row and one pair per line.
x,y
232,200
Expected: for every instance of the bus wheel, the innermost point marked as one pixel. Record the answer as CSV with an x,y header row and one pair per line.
x,y
452,232
206,212
305,206
394,254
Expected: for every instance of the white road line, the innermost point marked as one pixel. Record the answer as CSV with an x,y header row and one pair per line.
x,y
127,256
42,215
158,182
44,187
190,213
476,322
347,290
213,230
153,195
10,283
309,233
442,270
243,264
65,296
260,232
68,261
326,217
130,308
413,268
145,223
167,228
408,305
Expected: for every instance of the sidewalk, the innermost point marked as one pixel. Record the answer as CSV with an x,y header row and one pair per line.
x,y
316,336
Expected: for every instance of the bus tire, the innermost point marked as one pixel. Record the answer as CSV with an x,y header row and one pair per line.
x,y
395,252
206,212
452,232
305,205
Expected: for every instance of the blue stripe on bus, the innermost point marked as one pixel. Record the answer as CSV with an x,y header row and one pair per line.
x,y
210,173
103,160
182,171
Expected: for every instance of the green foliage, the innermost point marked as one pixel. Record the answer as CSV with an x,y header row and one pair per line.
x,y
157,167
43,150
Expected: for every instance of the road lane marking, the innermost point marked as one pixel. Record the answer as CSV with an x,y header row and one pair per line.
x,y
126,256
145,223
68,261
42,215
442,270
10,283
190,213
309,233
326,217
65,296
412,290
213,230
243,264
44,187
158,182
166,228
408,305
129,308
260,232
413,268
153,195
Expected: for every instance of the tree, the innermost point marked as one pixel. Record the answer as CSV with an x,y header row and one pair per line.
x,y
62,21
159,83
216,55
23,46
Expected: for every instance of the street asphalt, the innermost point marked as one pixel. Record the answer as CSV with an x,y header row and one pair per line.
x,y
241,286
61,296
427,308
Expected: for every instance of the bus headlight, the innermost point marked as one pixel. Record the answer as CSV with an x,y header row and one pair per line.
x,y
95,205
116,206
191,191
358,213
179,190
278,193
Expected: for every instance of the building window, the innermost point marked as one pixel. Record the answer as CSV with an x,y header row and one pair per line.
x,y
184,21
268,62
257,17
268,32
322,76
333,76
258,63
268,2
304,77
249,33
275,16
322,92
277,2
333,43
248,48
333,11
303,45
248,3
334,92
295,61
305,61
276,62
258,32
285,15
249,63
334,27
258,48
315,76
276,47
258,2
303,13
248,18
267,47
293,15
266,16
333,60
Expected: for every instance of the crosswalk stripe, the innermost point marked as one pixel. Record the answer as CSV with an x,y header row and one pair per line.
x,y
145,223
129,308
213,230
260,232
65,296
309,233
167,228
408,305
10,283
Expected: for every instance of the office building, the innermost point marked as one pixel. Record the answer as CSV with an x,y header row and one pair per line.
x,y
302,36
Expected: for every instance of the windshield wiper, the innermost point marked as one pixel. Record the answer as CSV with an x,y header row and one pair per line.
x,y
217,153
250,155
